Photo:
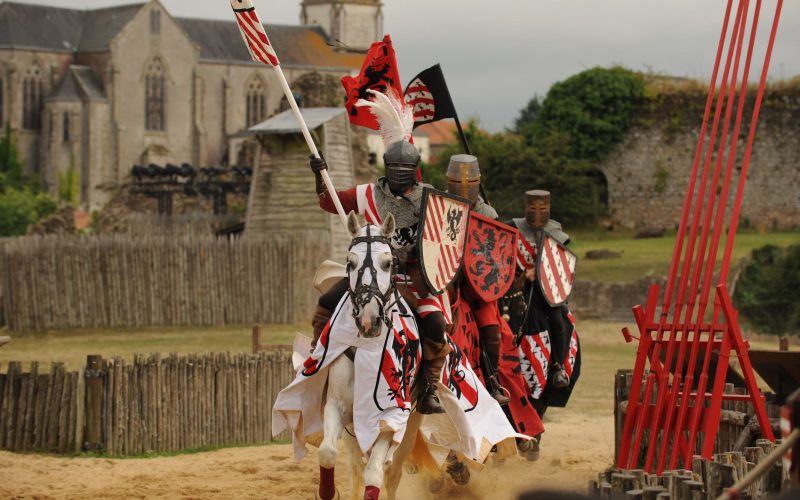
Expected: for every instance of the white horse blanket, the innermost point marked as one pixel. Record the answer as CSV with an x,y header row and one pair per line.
x,y
384,368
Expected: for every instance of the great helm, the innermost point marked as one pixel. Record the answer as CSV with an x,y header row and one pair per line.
x,y
464,177
537,208
401,159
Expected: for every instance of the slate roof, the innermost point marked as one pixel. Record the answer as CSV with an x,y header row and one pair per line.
x,y
22,26
66,30
285,122
101,25
78,84
295,45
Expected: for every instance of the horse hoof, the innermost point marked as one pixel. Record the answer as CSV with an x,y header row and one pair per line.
x,y
458,472
529,449
435,484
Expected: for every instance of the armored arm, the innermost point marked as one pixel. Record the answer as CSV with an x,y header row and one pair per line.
x,y
346,197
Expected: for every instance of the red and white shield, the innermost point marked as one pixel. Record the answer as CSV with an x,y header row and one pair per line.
x,y
444,219
490,258
556,270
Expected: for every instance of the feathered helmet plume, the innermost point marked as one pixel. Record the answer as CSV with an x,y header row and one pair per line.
x,y
395,118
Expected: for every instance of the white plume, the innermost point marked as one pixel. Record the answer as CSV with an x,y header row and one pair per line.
x,y
395,117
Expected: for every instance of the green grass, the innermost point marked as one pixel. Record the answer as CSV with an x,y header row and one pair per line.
x,y
72,346
651,257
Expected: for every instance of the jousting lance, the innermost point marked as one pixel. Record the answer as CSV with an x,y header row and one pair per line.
x,y
255,38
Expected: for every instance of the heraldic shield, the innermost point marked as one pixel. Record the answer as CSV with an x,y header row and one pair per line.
x,y
490,257
555,268
444,220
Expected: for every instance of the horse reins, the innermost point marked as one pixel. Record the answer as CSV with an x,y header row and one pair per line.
x,y
364,292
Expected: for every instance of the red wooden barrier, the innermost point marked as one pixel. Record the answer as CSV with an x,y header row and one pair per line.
x,y
676,405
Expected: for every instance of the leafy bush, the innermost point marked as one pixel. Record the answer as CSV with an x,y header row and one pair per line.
x,y
21,201
766,292
21,208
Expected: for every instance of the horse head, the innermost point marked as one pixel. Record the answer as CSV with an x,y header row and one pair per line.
x,y
370,266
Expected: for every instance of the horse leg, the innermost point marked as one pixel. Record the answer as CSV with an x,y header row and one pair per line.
x,y
356,466
402,454
373,474
340,381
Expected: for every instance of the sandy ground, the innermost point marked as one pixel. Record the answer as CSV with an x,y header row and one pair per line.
x,y
574,449
578,443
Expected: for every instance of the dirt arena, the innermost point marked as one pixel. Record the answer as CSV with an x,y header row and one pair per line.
x,y
574,449
578,443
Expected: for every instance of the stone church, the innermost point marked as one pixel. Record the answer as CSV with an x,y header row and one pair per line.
x,y
98,91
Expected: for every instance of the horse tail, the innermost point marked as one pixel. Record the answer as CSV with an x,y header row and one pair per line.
x,y
421,455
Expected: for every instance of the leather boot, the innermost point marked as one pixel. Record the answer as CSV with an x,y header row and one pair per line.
x,y
559,376
433,357
491,341
318,322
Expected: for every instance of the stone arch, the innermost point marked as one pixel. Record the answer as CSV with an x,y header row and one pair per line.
x,y
155,78
255,93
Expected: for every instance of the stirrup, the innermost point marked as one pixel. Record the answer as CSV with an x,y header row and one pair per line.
x,y
429,403
501,395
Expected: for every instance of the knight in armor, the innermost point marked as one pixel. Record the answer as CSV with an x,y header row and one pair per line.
x,y
464,179
538,314
398,193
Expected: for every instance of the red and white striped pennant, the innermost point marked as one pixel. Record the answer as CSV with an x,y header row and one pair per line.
x,y
419,96
253,33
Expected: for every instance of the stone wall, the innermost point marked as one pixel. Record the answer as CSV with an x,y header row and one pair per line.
x,y
648,172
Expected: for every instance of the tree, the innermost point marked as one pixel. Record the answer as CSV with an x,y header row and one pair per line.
x,y
593,108
528,114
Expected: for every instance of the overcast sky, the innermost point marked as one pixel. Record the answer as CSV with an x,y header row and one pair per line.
x,y
496,54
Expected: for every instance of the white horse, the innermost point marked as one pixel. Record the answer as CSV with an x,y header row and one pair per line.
x,y
374,299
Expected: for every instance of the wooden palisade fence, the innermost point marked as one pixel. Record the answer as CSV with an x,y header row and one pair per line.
x,y
152,404
737,451
132,281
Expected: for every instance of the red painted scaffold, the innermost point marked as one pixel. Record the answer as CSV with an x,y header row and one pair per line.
x,y
676,414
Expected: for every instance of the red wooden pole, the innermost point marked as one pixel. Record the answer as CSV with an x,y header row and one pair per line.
x,y
688,258
718,226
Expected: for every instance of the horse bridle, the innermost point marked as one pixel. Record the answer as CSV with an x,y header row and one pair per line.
x,y
364,292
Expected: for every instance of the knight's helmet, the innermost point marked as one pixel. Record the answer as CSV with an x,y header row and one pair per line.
x,y
401,159
464,177
537,208
396,121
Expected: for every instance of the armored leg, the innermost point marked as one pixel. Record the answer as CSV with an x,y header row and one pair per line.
x,y
560,343
434,352
491,342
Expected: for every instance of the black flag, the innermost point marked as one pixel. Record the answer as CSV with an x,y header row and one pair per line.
x,y
428,95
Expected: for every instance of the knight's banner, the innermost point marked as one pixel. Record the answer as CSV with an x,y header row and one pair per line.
x,y
490,258
444,219
428,95
555,268
253,34
379,72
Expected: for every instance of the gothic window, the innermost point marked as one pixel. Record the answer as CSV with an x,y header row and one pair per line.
x,y
32,90
154,95
65,127
256,102
155,21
